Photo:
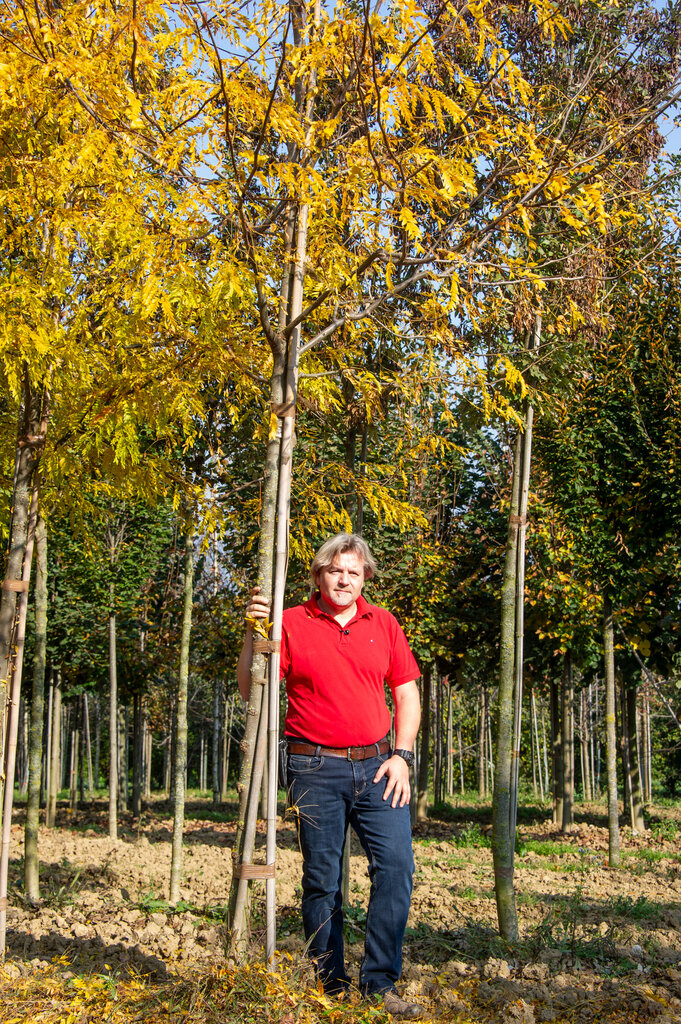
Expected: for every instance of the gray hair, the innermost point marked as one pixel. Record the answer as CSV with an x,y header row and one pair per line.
x,y
338,545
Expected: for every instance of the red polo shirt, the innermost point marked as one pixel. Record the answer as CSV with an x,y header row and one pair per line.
x,y
335,674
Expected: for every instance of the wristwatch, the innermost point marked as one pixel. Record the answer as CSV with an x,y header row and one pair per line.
x,y
408,756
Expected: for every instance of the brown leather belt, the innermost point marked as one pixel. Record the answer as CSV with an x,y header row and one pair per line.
x,y
351,753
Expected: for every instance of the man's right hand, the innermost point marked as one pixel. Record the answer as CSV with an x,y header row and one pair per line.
x,y
258,607
257,616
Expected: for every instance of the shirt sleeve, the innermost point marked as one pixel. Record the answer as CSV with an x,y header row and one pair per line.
x,y
403,665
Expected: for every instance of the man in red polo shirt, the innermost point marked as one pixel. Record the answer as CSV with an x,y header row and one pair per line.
x,y
337,653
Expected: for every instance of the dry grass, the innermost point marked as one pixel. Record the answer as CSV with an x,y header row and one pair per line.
x,y
239,995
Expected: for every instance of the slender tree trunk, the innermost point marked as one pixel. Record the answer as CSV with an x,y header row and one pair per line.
x,y
48,753
567,749
545,749
502,842
597,775
253,743
32,428
510,691
98,742
148,751
424,756
637,819
624,753
167,755
31,861
533,748
20,775
449,752
437,742
137,755
459,740
645,743
113,722
87,748
259,667
55,751
535,730
611,734
13,716
586,739
218,703
227,744
181,737
123,751
482,744
556,753
73,779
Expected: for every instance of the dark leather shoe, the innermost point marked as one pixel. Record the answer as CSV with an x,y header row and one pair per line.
x,y
399,1007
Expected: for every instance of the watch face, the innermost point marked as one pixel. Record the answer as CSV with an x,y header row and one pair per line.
x,y
407,755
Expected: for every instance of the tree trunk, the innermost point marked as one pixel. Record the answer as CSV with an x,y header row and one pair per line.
x,y
586,744
87,748
31,860
637,819
137,755
556,753
424,755
181,737
611,734
482,744
449,750
13,716
123,749
96,768
545,752
73,774
254,741
502,841
249,743
567,747
31,433
535,730
437,742
55,752
624,753
148,750
113,722
459,739
218,703
646,743
227,744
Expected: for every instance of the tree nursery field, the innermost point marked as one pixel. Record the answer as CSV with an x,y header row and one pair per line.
x,y
596,944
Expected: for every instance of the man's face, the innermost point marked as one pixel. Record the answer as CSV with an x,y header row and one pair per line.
x,y
341,583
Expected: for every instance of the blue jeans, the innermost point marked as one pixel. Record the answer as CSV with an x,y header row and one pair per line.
x,y
326,793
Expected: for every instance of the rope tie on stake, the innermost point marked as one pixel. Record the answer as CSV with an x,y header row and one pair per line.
x,y
30,440
266,646
518,520
18,586
284,410
249,871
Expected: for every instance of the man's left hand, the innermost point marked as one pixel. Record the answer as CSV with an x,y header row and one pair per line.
x,y
397,770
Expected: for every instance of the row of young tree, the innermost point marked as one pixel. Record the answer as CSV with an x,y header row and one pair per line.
x,y
386,237
562,747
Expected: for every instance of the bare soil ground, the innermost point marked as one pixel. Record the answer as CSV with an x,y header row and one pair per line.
x,y
596,944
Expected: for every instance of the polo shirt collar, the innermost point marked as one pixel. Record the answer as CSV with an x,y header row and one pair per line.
x,y
364,609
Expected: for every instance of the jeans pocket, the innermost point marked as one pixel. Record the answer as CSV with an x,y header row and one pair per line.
x,y
302,764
